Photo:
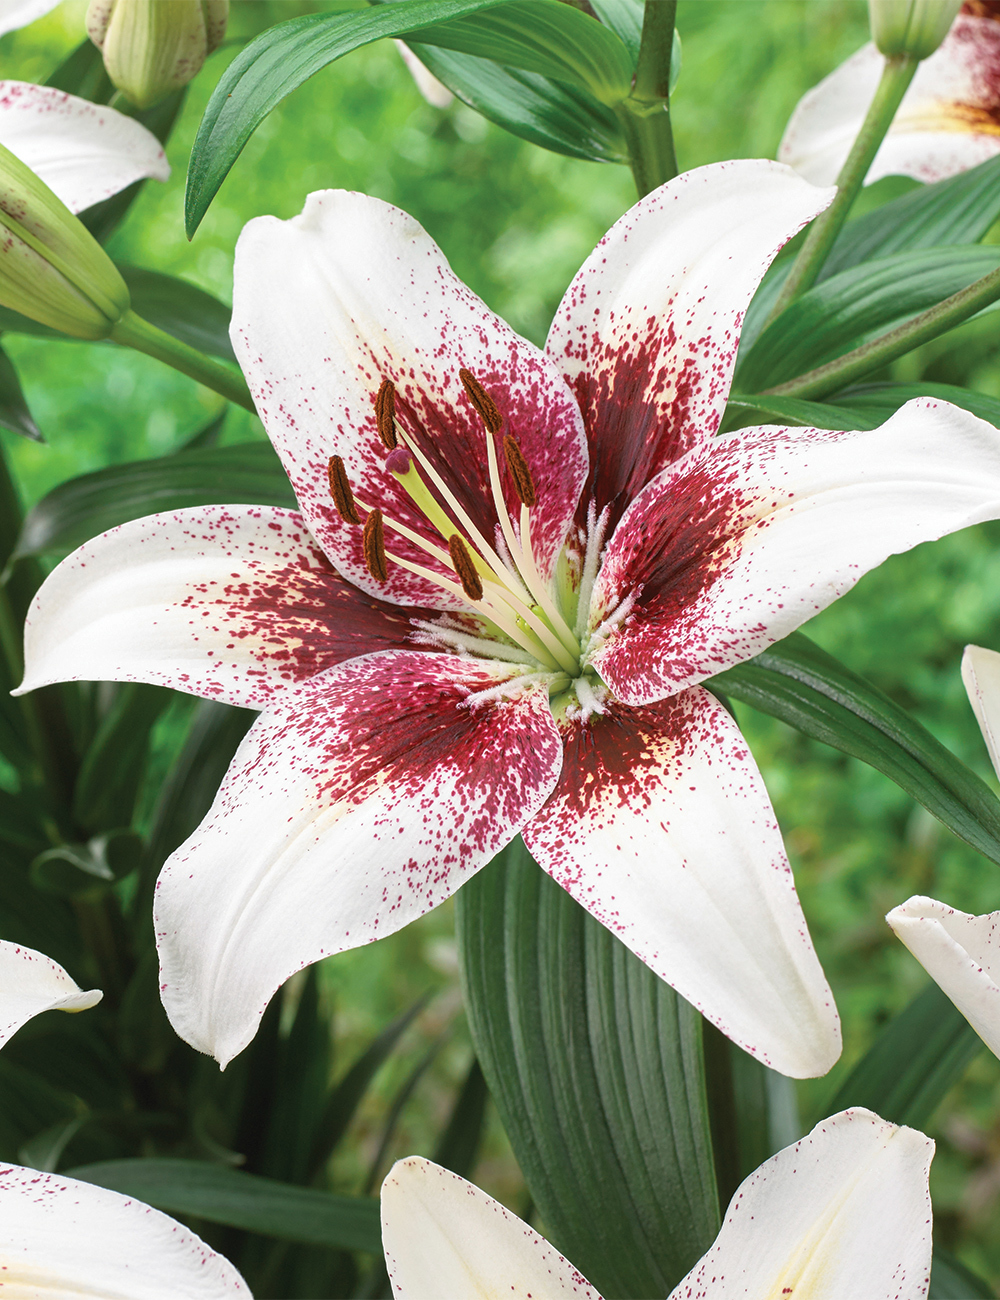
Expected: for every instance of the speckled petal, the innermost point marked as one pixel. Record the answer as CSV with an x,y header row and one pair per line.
x,y
443,1237
648,330
65,1239
31,983
352,292
959,951
981,675
83,152
235,603
844,1213
362,802
661,827
949,119
19,13
753,534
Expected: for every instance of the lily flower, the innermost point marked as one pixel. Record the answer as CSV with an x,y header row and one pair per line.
x,y
83,152
948,121
62,1237
844,1212
960,952
511,571
31,983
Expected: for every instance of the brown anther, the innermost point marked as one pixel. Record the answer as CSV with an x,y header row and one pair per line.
x,y
385,413
374,544
524,484
471,582
482,401
340,490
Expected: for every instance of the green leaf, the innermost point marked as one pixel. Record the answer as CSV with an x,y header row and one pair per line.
x,y
596,1068
876,402
856,306
951,1280
809,689
82,73
540,36
959,210
14,413
914,1061
241,1200
83,507
744,409
458,1147
562,118
181,309
114,764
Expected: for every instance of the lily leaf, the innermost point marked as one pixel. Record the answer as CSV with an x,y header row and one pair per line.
x,y
857,305
809,689
241,1200
82,507
14,413
876,402
562,118
181,309
596,1068
745,408
539,36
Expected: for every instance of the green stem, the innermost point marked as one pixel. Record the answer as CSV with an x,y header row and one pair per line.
x,y
645,115
896,78
134,332
853,366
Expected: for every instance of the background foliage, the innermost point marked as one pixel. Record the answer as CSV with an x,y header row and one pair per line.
x,y
516,222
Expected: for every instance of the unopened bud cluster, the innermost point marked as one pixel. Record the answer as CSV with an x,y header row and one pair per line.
x,y
153,47
911,28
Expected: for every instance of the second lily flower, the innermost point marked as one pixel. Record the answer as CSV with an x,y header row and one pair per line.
x,y
511,572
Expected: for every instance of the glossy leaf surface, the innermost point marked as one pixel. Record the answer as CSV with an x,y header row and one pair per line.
x,y
596,1068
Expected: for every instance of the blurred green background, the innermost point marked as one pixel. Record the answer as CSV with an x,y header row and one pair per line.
x,y
516,222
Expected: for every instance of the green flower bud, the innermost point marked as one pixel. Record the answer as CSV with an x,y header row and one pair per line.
x,y
912,28
51,267
153,47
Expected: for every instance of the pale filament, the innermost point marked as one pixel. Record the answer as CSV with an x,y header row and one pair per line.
x,y
537,587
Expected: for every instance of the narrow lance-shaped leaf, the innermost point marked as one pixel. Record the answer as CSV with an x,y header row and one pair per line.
x,y
804,686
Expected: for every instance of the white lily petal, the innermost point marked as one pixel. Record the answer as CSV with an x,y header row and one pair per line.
x,y
235,603
961,953
66,1240
841,1215
435,92
981,675
83,152
648,330
31,983
662,829
445,1238
19,13
748,537
350,293
361,801
949,119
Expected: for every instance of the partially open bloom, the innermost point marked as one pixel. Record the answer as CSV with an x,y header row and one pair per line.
x,y
844,1213
962,952
152,47
511,572
949,119
59,155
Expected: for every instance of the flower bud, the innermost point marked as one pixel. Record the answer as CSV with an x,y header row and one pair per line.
x,y
913,28
51,267
153,47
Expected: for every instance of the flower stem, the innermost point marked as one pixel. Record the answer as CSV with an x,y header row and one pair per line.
x,y
896,78
854,365
134,332
645,115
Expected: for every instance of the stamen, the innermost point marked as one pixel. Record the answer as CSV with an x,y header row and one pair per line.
x,y
591,563
461,560
524,484
374,544
385,412
482,401
340,490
